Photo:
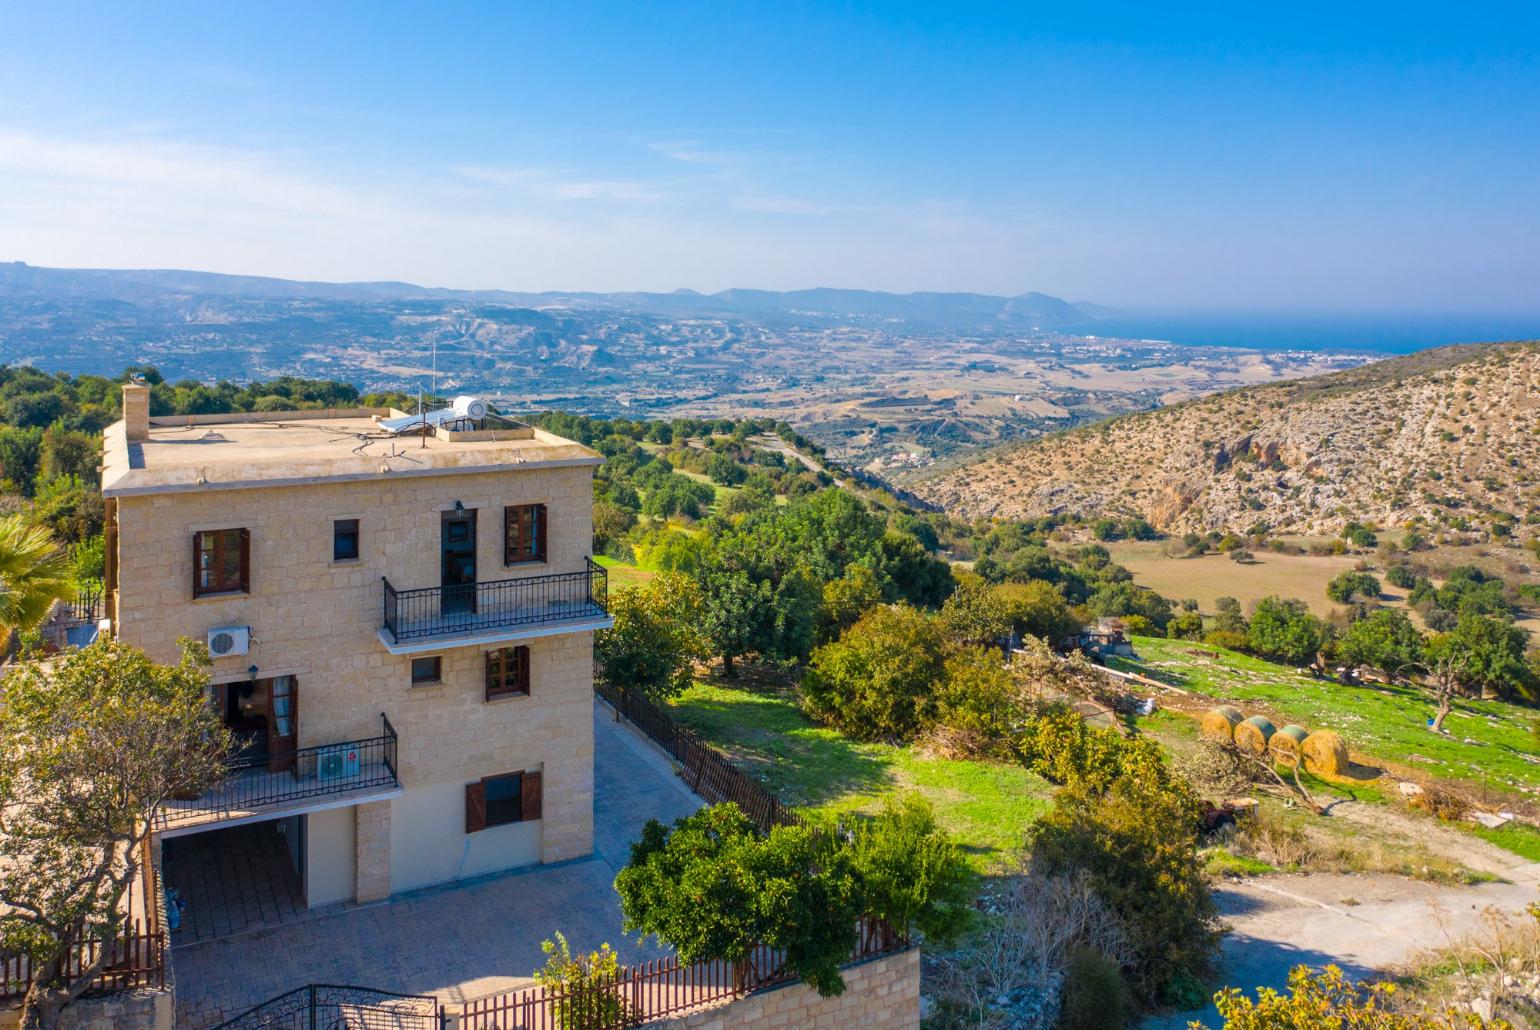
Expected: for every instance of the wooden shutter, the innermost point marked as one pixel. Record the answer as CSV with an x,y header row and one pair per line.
x,y
521,665
537,527
475,807
246,560
197,563
529,796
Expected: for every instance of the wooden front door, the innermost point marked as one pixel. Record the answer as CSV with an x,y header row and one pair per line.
x,y
282,723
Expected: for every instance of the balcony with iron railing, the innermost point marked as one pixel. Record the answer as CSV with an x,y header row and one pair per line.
x,y
426,618
298,779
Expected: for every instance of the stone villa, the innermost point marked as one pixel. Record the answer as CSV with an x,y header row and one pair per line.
x,y
401,613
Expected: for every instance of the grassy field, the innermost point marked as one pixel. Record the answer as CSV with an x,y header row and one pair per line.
x,y
1304,576
986,805
1214,575
622,574
1489,743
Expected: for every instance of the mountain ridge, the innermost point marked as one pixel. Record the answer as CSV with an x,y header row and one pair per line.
x,y
1449,435
931,309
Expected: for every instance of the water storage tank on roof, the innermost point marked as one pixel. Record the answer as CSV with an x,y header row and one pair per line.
x,y
470,407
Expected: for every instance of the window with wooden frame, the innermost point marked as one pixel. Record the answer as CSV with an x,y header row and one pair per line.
x,y
344,539
500,800
429,669
221,561
507,672
523,534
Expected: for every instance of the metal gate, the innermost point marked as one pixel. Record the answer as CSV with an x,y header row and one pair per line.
x,y
338,1007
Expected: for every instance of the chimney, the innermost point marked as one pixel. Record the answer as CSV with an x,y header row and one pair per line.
x,y
136,411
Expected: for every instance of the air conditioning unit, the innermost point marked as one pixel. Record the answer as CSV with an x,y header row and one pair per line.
x,y
336,763
225,641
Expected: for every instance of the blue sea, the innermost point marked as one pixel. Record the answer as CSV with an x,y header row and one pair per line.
x,y
1379,334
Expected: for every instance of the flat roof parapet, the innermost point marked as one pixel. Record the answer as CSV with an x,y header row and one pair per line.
x,y
285,448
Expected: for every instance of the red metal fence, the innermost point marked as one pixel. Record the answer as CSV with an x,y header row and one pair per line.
x,y
654,990
137,959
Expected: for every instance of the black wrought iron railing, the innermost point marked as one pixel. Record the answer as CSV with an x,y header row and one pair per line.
x,y
264,780
428,612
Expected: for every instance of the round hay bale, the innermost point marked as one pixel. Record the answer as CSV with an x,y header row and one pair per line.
x,y
1286,742
1253,735
1325,754
1219,723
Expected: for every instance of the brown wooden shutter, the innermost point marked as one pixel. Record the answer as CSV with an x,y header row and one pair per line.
x,y
537,527
197,560
510,534
529,799
475,807
521,663
246,560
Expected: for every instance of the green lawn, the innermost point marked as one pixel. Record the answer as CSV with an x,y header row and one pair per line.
x,y
986,806
621,574
1488,743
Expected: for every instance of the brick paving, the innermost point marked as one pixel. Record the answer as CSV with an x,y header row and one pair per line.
x,y
232,881
456,943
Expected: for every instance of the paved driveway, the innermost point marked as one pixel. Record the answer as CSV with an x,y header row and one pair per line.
x,y
460,942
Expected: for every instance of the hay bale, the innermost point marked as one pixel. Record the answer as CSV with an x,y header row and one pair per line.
x,y
1285,743
1219,723
1325,754
1253,735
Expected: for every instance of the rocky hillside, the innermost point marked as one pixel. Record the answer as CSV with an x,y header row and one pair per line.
x,y
1452,435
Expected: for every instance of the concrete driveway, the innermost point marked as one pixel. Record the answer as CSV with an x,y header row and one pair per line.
x,y
459,942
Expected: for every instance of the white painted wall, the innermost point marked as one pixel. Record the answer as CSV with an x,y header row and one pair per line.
x,y
429,845
329,856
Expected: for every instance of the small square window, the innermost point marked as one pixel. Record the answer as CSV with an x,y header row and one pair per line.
x,y
344,539
507,672
505,796
427,670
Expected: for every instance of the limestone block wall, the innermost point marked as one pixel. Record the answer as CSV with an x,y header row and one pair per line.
x,y
133,1010
319,621
883,994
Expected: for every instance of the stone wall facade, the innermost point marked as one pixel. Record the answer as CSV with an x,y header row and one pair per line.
x,y
319,620
132,1010
881,994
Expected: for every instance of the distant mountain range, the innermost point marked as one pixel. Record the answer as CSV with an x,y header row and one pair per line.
x,y
956,312
1450,435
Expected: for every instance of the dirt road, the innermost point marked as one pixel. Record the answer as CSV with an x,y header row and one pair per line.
x,y
1366,924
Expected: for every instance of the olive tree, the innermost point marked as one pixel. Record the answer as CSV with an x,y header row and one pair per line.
x,y
91,745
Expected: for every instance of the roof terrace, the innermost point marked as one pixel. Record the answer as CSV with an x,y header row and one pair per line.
x,y
145,455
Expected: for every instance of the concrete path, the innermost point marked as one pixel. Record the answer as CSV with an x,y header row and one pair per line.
x,y
456,943
1368,925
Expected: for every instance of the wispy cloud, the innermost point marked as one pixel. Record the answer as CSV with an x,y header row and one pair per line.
x,y
548,185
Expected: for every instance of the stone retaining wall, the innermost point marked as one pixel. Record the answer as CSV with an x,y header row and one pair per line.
x,y
882,994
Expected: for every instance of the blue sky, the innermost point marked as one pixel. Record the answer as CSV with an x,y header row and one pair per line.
x,y
1259,157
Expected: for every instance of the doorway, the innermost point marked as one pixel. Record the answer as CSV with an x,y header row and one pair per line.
x,y
262,716
458,562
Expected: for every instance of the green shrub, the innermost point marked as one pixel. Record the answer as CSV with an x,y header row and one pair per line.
x,y
712,887
1401,576
1095,996
911,872
878,680
1137,845
1231,639
585,985
1330,999
1345,585
1061,747
1285,629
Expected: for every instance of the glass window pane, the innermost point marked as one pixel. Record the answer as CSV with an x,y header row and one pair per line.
x,y
504,799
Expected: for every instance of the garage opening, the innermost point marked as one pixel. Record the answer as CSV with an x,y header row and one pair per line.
x,y
232,880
